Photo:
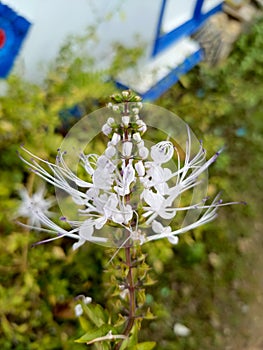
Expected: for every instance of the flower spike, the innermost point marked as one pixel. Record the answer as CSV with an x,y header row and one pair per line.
x,y
130,193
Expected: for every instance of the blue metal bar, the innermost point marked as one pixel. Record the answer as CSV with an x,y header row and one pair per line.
x,y
197,11
159,27
188,28
173,76
166,40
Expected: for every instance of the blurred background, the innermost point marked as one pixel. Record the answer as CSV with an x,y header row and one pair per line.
x,y
201,60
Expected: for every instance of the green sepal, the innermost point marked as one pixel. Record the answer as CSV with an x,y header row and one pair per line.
x,y
141,297
149,315
149,281
117,98
97,333
120,321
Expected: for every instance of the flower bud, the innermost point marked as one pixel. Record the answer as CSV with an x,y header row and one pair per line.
x,y
141,126
125,93
115,139
87,300
140,144
110,121
106,129
127,148
115,108
143,152
137,137
110,151
140,168
137,98
126,121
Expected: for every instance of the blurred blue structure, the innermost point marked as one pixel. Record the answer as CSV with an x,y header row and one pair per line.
x,y
174,52
165,27
199,15
13,30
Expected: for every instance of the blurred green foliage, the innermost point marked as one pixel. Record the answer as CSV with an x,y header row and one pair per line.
x,y
202,282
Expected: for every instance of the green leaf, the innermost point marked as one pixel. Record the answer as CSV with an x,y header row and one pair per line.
x,y
149,345
97,334
85,324
132,341
96,314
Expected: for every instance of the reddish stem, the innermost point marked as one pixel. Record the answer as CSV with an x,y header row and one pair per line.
x,y
132,297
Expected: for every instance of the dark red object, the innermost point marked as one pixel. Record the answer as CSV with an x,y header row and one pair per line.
x,y
2,38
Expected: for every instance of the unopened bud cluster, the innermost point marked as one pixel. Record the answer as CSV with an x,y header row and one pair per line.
x,y
127,133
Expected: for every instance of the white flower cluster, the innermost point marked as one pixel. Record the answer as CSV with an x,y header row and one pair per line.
x,y
129,186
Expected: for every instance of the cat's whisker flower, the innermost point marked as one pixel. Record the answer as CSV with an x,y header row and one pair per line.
x,y
128,194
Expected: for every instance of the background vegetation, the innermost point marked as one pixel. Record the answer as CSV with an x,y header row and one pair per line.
x,y
205,282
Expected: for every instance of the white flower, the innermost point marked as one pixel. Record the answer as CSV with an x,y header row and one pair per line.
x,y
32,205
125,179
86,231
78,310
162,152
89,162
138,236
103,176
159,228
110,151
173,239
157,206
181,330
157,177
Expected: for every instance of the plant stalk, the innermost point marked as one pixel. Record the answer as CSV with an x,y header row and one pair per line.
x,y
132,296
